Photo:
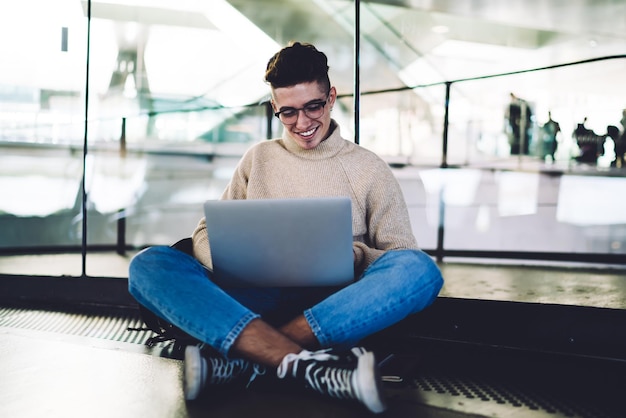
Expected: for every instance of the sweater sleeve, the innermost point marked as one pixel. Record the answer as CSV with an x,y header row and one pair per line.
x,y
201,249
236,189
387,218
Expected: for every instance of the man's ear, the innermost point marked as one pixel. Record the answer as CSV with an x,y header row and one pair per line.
x,y
332,95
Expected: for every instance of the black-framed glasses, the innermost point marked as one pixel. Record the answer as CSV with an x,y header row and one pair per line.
x,y
312,110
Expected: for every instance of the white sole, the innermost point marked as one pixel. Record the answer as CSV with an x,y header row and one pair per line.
x,y
367,381
192,373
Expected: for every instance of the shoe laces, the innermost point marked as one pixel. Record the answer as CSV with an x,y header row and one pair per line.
x,y
223,370
257,370
358,351
294,359
334,381
325,379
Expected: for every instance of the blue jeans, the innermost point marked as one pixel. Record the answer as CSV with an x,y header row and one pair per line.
x,y
178,288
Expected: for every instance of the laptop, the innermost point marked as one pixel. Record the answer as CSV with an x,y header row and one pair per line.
x,y
281,242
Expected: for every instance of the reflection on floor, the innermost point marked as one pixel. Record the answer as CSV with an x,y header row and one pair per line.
x,y
602,287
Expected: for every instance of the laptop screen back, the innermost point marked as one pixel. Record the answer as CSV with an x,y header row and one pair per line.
x,y
281,242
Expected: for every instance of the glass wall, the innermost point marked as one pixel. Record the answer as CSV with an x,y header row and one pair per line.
x,y
42,90
553,194
168,95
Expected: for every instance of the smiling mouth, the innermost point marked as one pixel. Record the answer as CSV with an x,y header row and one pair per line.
x,y
308,133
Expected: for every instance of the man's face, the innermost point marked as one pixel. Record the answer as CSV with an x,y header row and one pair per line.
x,y
308,132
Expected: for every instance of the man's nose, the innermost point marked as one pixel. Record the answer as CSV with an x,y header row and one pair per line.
x,y
302,116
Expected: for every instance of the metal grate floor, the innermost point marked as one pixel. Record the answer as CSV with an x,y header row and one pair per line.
x,y
498,398
478,391
114,328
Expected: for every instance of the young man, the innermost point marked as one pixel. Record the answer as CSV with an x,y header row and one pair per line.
x,y
298,335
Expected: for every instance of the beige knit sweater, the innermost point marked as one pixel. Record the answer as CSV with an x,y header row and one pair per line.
x,y
279,168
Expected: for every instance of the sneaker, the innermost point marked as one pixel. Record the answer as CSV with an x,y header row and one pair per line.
x,y
352,356
354,377
201,371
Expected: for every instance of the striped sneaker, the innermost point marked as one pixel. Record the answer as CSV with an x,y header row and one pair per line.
x,y
352,377
201,371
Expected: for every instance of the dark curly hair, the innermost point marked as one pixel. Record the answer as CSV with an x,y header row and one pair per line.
x,y
298,63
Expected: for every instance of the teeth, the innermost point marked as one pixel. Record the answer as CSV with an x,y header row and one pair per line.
x,y
308,133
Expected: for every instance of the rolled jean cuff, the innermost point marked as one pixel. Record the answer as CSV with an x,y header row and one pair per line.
x,y
235,332
315,327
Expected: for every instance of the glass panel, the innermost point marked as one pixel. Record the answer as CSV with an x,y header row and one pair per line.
x,y
504,191
170,88
406,129
501,210
524,199
41,133
174,181
480,124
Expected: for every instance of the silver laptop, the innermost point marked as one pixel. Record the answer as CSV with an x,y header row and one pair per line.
x,y
281,242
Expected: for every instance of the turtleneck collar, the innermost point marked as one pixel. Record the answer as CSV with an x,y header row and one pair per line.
x,y
327,148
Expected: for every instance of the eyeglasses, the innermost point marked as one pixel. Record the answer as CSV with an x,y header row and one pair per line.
x,y
312,110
